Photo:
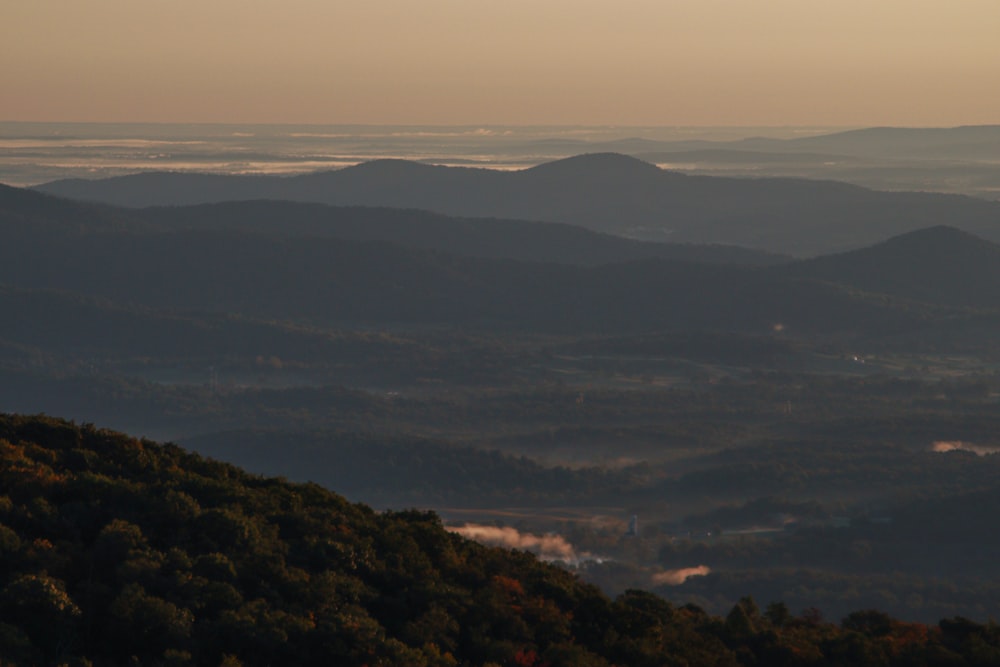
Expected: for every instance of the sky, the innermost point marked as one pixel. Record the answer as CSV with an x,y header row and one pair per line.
x,y
515,62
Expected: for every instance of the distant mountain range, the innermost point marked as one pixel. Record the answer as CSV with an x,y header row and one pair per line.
x,y
155,264
27,212
609,193
965,142
475,237
875,142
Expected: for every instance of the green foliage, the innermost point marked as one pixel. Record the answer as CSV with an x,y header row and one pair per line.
x,y
149,554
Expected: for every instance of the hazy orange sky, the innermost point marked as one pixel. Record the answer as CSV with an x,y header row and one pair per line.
x,y
627,62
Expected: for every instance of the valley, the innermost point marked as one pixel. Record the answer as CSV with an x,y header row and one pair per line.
x,y
810,430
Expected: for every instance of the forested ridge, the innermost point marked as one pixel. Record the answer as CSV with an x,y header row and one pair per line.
x,y
604,192
325,268
122,551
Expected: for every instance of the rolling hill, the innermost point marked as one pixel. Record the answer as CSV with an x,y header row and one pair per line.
x,y
117,550
474,237
609,193
941,265
272,263
25,213
291,267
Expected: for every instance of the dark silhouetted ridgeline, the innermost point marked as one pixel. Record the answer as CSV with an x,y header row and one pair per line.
x,y
190,266
475,237
939,264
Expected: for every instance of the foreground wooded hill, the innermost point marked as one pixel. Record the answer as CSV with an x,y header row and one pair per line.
x,y
116,550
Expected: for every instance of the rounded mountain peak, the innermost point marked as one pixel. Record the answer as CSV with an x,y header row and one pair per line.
x,y
597,164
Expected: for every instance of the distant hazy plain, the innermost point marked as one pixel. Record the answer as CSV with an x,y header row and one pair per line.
x,y
33,153
957,160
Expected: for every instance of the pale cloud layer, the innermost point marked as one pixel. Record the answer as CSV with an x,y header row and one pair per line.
x,y
643,62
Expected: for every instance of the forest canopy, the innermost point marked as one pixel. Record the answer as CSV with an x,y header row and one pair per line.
x,y
116,549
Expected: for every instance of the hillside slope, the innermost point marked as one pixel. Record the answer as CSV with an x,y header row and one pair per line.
x,y
474,237
116,550
939,264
